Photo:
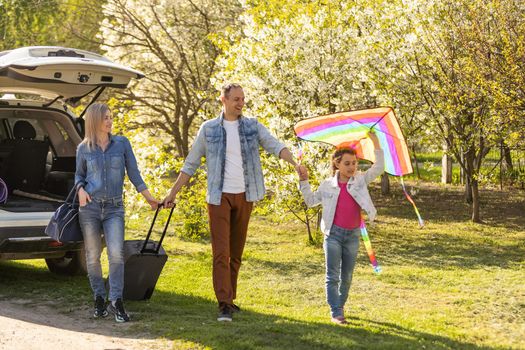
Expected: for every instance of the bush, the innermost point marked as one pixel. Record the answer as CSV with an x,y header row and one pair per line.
x,y
192,211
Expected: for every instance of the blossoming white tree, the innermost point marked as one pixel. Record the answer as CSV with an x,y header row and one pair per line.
x,y
172,42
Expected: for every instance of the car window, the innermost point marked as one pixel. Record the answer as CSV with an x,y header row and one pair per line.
x,y
46,129
62,143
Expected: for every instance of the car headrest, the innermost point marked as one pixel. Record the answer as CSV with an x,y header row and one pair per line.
x,y
24,130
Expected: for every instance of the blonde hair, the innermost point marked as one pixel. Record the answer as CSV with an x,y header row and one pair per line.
x,y
95,114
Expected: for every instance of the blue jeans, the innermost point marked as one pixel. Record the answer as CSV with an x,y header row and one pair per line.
x,y
107,216
340,249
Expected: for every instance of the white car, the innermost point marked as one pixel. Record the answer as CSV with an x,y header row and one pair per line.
x,y
38,138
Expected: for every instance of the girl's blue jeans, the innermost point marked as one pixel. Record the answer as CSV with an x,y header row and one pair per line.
x,y
340,248
97,217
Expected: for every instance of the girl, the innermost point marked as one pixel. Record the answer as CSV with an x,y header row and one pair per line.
x,y
102,159
342,197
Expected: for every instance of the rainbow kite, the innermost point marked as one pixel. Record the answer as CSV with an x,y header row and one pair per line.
x,y
350,129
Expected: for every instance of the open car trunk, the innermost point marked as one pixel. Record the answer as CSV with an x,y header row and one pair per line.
x,y
37,157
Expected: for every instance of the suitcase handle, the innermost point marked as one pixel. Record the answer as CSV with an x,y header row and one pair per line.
x,y
156,251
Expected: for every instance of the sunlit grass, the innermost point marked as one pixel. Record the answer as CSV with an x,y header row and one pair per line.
x,y
450,285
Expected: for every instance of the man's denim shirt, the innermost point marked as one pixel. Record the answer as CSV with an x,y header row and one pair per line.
x,y
211,143
102,173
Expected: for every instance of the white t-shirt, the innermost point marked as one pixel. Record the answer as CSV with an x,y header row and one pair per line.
x,y
233,169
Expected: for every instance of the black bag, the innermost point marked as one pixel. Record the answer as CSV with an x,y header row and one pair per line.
x,y
144,261
64,225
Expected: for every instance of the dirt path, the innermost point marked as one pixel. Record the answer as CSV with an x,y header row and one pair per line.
x,y
25,325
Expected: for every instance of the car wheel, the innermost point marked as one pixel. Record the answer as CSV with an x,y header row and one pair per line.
x,y
72,263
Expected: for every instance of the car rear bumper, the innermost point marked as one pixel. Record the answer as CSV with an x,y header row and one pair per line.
x,y
31,243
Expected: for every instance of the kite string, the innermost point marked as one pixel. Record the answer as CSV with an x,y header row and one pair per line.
x,y
368,246
419,219
300,153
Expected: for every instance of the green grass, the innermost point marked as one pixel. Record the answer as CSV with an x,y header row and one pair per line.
x,y
450,285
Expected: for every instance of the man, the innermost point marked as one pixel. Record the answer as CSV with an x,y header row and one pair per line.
x,y
231,145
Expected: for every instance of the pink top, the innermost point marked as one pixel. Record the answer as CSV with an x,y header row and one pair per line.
x,y
347,212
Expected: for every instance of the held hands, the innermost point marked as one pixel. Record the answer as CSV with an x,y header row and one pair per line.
x,y
83,197
302,172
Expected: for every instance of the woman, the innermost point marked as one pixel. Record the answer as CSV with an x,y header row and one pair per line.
x,y
102,160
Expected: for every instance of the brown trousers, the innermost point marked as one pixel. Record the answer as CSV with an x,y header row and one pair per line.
x,y
228,226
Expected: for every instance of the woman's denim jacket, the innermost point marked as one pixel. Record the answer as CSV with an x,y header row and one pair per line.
x,y
102,173
211,143
328,192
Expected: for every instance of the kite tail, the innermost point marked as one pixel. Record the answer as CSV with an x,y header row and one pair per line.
x,y
368,246
419,219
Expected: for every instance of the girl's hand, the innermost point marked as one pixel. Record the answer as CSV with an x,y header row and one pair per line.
x,y
372,135
83,197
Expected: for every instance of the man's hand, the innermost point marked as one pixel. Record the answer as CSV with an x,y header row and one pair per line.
x,y
169,201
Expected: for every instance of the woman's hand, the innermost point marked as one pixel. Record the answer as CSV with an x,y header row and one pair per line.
x,y
154,204
83,197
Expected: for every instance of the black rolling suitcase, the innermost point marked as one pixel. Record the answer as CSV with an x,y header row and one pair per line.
x,y
144,260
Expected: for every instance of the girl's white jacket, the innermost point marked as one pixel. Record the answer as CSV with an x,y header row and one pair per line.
x,y
328,192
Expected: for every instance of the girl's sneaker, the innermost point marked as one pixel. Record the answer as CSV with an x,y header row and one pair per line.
x,y
118,310
100,307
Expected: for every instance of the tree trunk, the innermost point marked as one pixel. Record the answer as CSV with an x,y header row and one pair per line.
x,y
385,184
462,177
468,165
508,158
468,190
446,169
506,166
416,165
310,238
475,201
